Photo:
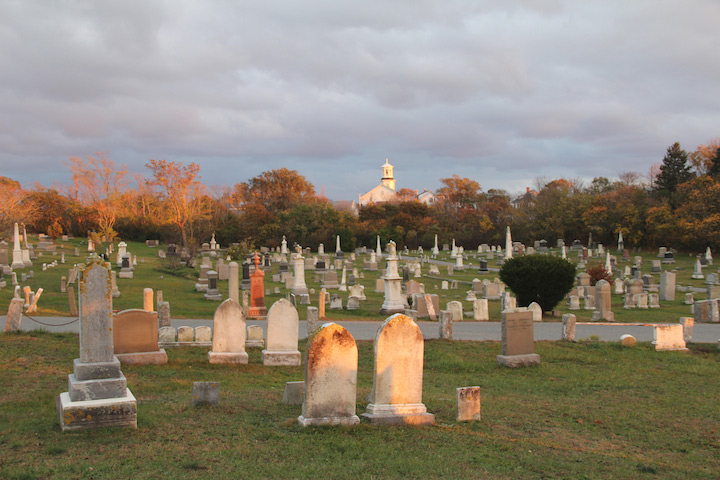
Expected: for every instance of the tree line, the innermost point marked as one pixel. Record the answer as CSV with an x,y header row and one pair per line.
x,y
678,206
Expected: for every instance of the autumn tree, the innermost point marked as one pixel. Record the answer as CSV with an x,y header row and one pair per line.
x,y
702,158
99,185
714,170
459,192
275,190
15,204
180,189
673,171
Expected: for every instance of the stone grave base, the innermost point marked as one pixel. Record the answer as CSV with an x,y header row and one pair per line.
x,y
609,316
125,275
670,347
89,414
143,358
280,358
214,297
390,310
514,361
254,343
228,357
352,420
96,388
401,414
257,313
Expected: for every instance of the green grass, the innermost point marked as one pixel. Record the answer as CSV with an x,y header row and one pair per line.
x,y
185,302
591,410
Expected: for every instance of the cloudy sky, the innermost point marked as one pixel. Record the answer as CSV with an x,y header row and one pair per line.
x,y
499,91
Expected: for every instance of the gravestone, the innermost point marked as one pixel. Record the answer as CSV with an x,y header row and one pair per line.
x,y
257,308
313,319
603,301
185,335
205,393
255,338
212,292
480,310
518,344
427,305
396,396
445,324
669,337
294,393
203,335
468,404
394,301
568,327
330,280
536,310
135,338
14,315
163,314
167,335
228,334
330,378
282,336
97,393
456,310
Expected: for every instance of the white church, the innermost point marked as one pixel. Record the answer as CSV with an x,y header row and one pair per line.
x,y
385,192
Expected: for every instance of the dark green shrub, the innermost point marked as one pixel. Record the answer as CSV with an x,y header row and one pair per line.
x,y
538,278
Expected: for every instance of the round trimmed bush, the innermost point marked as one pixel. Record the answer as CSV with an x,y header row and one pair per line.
x,y
538,278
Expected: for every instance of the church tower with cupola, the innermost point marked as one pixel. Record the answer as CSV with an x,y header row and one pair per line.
x,y
387,179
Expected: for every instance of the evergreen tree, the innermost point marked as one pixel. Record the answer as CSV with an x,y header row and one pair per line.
x,y
674,170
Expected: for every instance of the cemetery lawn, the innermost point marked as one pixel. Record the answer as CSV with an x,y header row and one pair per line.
x,y
178,285
591,410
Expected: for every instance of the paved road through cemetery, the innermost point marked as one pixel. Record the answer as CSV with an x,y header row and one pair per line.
x,y
365,330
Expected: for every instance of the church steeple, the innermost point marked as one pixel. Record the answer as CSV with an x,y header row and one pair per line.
x,y
387,179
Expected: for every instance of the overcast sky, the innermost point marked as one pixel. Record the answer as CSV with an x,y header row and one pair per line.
x,y
502,91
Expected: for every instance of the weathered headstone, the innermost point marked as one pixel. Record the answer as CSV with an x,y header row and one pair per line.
x,y
282,337
203,334
518,344
456,310
97,393
480,310
536,309
294,393
669,337
603,302
330,378
468,404
14,315
255,338
445,324
205,393
568,327
228,334
396,397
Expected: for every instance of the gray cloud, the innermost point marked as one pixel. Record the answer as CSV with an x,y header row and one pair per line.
x,y
502,92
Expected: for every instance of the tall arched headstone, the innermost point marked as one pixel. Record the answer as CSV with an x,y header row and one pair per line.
x,y
396,397
228,334
282,335
330,378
